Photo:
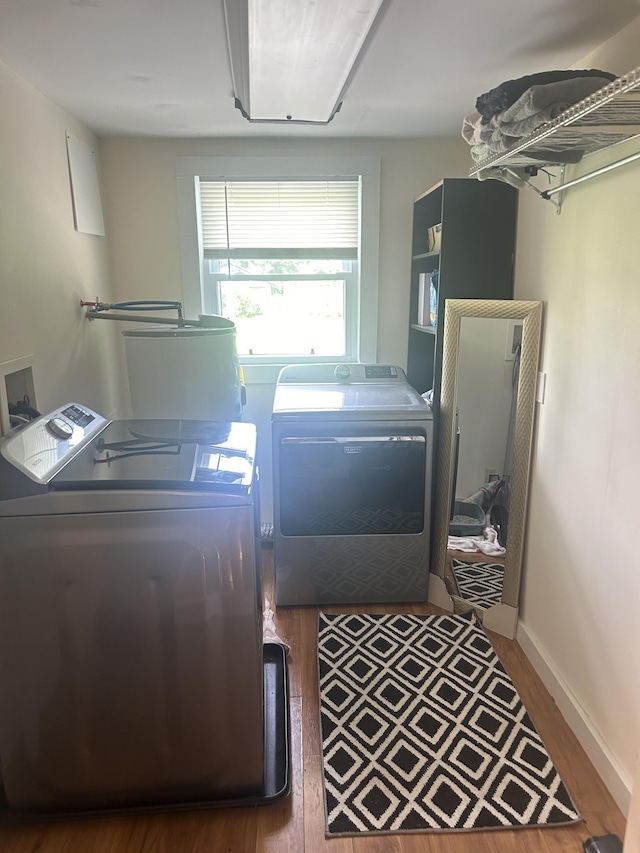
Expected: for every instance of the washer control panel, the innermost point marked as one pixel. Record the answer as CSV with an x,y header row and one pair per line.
x,y
302,374
42,447
60,428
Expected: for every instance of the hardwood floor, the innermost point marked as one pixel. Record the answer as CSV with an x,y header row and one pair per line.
x,y
296,824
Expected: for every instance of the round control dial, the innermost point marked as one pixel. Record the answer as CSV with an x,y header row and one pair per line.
x,y
342,371
60,428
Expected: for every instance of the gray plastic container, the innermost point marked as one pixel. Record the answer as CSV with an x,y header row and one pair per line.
x,y
471,510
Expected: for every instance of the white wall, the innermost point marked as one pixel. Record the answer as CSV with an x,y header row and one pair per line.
x,y
140,191
46,266
581,595
140,201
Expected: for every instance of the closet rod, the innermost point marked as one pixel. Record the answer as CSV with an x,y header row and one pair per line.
x,y
548,193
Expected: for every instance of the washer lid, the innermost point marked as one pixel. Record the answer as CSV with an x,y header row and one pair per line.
x,y
373,399
343,398
347,390
182,455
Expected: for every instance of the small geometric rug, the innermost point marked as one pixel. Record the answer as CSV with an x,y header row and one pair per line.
x,y
479,583
423,730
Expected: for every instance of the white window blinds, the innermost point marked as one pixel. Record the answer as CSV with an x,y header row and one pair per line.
x,y
256,217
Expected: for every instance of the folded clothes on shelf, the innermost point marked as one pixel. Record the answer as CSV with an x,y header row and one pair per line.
x,y
537,105
502,97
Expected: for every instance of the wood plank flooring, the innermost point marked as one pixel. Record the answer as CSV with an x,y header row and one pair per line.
x,y
296,824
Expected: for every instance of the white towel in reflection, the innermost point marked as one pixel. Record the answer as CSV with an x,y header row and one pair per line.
x,y
487,544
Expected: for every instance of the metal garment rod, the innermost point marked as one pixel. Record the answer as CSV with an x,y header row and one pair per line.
x,y
630,159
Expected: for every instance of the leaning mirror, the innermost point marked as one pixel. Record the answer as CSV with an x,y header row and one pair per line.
x,y
485,429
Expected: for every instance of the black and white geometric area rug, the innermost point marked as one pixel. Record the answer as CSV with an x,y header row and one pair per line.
x,y
423,730
479,583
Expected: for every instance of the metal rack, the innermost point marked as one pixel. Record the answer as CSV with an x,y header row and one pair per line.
x,y
609,116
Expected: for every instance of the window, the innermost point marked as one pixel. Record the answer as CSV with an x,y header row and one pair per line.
x,y
282,246
280,260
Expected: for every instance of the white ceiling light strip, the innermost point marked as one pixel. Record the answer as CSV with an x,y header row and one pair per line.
x,y
293,60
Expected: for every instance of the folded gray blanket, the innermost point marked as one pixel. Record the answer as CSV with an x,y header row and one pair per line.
x,y
545,103
507,93
537,106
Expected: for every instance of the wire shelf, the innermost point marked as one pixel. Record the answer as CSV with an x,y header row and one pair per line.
x,y
605,118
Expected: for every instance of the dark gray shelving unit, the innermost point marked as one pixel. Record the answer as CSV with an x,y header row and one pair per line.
x,y
475,260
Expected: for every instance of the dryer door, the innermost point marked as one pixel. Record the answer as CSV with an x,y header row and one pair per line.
x,y
352,483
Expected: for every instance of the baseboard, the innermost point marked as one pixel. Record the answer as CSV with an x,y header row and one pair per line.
x,y
618,783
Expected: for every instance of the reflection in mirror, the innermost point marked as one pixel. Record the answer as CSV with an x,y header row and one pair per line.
x,y
487,405
487,386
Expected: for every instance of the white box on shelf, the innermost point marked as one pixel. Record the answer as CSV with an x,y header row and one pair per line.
x,y
423,299
434,237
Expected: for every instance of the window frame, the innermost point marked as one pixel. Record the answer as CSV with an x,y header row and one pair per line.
x,y
211,301
191,169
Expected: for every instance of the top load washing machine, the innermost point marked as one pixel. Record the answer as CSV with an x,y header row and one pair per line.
x,y
130,601
352,451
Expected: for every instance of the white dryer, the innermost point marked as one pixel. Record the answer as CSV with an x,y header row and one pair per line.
x,y
352,451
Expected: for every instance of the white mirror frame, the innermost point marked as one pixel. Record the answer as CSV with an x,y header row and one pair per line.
x,y
502,617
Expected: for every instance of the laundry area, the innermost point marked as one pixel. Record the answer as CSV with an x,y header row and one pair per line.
x,y
131,594
302,310
131,588
131,582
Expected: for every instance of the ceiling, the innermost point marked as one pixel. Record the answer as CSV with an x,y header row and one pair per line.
x,y
160,67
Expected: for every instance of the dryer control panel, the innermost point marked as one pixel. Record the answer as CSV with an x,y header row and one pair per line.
x,y
341,373
42,447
